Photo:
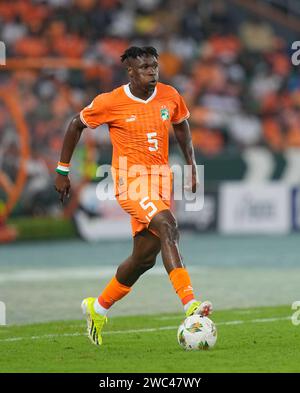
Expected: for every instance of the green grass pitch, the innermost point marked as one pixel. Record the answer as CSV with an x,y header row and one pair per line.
x,y
249,340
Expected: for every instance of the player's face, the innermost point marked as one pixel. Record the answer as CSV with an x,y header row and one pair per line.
x,y
143,71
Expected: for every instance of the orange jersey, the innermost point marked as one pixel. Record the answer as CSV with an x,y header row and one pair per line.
x,y
139,129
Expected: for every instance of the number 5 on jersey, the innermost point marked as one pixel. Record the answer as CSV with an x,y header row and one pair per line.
x,y
145,206
152,141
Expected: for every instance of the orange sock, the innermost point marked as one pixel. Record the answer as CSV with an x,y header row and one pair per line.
x,y
113,291
182,284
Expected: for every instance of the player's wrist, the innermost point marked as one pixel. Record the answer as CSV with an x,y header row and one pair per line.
x,y
63,168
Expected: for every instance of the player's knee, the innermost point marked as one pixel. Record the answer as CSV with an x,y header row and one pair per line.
x,y
148,263
169,230
166,225
145,259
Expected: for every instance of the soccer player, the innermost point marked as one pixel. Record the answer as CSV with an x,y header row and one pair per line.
x,y
139,115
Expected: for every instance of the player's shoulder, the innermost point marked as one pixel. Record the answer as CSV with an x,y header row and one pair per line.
x,y
107,96
168,90
117,92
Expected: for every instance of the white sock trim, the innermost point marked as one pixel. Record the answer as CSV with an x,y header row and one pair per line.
x,y
187,305
99,309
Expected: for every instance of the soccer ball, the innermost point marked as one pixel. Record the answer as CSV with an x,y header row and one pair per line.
x,y
197,332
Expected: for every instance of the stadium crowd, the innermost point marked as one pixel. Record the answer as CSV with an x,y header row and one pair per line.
x,y
235,74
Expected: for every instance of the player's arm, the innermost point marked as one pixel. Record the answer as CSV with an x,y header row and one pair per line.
x,y
184,139
62,182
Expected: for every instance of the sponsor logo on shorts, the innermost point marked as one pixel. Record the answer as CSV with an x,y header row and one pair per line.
x,y
131,118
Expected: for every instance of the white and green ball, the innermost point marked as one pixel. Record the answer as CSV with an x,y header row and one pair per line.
x,y
197,333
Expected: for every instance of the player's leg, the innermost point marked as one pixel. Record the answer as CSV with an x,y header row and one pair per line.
x,y
146,246
165,225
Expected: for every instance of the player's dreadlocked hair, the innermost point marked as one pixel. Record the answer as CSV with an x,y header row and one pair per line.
x,y
134,52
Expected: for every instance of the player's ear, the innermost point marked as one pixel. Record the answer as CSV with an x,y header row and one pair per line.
x,y
130,70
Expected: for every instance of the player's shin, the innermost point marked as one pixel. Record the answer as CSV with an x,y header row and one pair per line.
x,y
113,292
181,282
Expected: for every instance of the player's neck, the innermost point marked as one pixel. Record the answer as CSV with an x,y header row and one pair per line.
x,y
141,93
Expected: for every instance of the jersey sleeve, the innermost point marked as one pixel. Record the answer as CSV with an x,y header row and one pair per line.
x,y
96,113
181,111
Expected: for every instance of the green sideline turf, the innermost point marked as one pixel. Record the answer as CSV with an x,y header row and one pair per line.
x,y
249,340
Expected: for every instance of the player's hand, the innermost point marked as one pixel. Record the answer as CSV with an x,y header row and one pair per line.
x,y
62,186
193,180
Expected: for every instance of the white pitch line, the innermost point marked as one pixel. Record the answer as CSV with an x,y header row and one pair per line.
x,y
76,334
177,317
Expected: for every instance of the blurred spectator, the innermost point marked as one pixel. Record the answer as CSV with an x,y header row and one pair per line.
x,y
245,129
257,35
38,196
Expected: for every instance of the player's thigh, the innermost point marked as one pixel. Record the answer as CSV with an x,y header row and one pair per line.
x,y
145,205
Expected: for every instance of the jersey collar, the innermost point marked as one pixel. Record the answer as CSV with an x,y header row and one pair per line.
x,y
130,95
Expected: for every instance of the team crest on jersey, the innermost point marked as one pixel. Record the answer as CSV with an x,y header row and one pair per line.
x,y
164,113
